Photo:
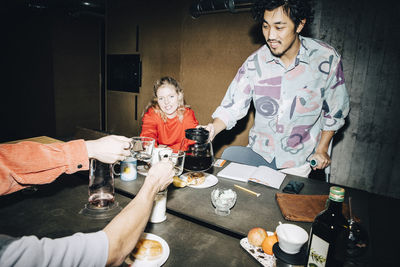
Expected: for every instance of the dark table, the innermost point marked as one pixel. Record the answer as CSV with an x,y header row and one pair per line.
x,y
53,211
196,236
374,211
249,211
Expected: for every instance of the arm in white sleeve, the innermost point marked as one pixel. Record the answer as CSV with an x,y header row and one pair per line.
x,y
76,250
237,99
337,102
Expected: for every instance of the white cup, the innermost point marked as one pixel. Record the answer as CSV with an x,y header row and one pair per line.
x,y
291,237
158,214
155,157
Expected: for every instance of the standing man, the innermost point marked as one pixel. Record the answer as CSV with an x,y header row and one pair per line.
x,y
297,88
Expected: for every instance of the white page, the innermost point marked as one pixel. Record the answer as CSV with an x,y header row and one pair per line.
x,y
268,176
238,172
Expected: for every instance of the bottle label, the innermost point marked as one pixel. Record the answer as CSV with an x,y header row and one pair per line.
x,y
318,252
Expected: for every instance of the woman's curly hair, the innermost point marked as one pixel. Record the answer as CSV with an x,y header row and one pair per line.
x,y
297,10
154,101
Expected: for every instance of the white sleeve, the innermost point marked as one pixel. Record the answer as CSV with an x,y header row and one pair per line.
x,y
76,250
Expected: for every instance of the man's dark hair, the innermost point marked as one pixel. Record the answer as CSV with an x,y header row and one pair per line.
x,y
297,10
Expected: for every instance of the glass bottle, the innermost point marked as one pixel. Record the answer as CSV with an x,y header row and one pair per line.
x,y
329,232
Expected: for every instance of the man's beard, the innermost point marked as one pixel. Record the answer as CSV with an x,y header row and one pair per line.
x,y
284,51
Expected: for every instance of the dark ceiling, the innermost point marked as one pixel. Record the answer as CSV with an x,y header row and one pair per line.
x,y
95,7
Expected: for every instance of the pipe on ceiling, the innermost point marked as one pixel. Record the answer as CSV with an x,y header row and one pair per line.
x,y
203,7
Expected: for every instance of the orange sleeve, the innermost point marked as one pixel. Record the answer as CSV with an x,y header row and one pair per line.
x,y
28,163
150,124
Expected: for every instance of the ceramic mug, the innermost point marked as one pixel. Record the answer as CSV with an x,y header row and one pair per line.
x,y
128,169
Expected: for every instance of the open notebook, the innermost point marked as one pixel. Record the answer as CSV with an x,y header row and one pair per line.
x,y
244,173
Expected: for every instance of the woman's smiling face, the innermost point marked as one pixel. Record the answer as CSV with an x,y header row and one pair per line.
x,y
168,100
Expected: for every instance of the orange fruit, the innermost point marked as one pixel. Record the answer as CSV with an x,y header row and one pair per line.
x,y
268,243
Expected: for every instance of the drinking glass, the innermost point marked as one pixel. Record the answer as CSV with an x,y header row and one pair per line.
x,y
158,213
142,150
101,183
177,157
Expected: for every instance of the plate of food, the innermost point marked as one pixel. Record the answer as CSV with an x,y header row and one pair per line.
x,y
151,250
254,248
199,179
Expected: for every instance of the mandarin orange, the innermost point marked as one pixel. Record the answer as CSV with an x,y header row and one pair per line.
x,y
268,243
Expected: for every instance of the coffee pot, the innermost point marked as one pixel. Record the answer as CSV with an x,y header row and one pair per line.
x,y
198,149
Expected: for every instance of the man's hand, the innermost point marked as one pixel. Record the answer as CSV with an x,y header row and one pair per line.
x,y
160,175
109,149
210,128
321,151
214,128
323,160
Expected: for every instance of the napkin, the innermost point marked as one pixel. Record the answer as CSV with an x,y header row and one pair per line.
x,y
303,208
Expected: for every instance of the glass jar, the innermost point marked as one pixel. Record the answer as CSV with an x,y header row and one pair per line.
x,y
198,150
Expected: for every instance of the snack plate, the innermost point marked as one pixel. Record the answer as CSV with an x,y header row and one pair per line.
x,y
132,262
209,181
258,254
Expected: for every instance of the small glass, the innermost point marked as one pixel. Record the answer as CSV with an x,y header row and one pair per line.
x,y
158,213
177,157
142,150
223,200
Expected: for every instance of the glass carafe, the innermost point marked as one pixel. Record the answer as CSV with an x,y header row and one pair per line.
x,y
198,149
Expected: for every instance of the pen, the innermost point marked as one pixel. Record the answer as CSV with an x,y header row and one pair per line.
x,y
247,190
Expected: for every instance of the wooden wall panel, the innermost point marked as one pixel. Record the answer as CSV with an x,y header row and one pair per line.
x,y
213,49
159,43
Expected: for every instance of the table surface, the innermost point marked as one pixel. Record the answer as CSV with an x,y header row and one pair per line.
x,y
195,234
53,211
39,139
249,211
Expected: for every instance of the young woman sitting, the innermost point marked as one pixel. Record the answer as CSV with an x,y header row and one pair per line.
x,y
167,116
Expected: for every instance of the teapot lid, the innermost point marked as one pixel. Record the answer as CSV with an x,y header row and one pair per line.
x,y
199,135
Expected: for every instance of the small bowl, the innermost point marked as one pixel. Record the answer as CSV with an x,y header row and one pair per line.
x,y
291,237
223,200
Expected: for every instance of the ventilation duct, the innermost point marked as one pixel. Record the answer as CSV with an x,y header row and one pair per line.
x,y
203,7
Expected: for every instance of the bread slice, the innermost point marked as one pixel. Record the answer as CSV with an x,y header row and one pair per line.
x,y
196,178
147,249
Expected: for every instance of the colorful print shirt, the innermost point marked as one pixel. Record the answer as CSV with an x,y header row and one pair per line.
x,y
293,105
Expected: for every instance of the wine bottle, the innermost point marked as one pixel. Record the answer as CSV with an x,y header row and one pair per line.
x,y
327,244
